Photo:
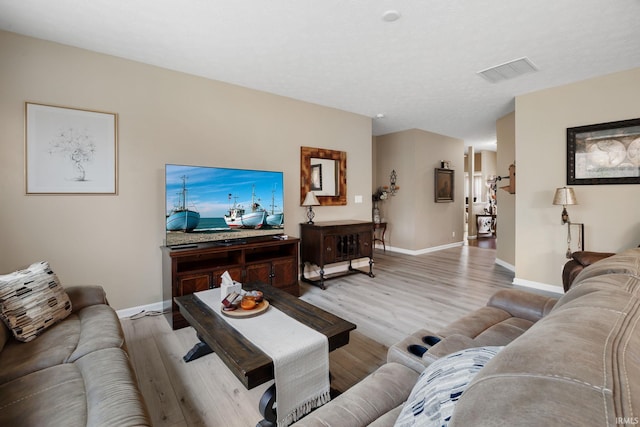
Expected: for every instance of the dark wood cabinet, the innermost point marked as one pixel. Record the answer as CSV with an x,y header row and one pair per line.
x,y
330,242
200,267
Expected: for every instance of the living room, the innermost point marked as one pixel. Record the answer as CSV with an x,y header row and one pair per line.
x,y
169,117
165,116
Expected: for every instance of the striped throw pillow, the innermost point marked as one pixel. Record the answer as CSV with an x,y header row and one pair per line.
x,y
32,300
433,398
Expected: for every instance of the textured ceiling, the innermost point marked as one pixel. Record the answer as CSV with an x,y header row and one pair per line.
x,y
419,71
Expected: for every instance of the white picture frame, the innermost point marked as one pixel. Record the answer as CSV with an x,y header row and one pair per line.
x,y
70,151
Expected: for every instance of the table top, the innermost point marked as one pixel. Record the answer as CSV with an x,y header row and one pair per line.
x,y
248,363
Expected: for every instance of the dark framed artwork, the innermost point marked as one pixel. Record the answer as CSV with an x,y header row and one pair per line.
x,y
444,184
604,153
316,178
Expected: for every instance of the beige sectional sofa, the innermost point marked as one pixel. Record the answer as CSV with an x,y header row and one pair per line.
x,y
574,362
76,373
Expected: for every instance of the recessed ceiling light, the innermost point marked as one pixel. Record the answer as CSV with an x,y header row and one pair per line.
x,y
391,15
380,116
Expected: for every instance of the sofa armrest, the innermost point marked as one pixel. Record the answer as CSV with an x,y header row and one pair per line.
x,y
586,258
579,261
522,304
448,345
84,296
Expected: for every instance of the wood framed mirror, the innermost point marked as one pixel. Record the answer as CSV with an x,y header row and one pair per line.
x,y
325,173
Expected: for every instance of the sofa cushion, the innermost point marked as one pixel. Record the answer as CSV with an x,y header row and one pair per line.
x,y
476,322
32,300
92,328
99,389
504,332
439,387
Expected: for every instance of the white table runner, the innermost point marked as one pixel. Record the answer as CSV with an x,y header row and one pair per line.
x,y
300,357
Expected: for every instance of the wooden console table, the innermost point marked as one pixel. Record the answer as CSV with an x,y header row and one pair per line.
x,y
329,242
382,226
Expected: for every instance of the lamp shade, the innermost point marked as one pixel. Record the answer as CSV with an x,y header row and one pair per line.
x,y
564,196
310,200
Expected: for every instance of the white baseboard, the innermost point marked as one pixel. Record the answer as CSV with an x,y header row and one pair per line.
x,y
421,251
506,265
537,285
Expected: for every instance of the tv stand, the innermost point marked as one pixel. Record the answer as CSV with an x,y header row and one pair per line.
x,y
185,246
198,268
230,242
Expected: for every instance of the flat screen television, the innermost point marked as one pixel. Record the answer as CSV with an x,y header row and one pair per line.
x,y
223,205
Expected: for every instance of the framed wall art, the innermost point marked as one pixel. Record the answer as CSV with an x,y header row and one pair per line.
x,y
444,185
316,178
70,151
604,153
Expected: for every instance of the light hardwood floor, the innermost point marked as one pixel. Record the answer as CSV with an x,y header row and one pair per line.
x,y
408,293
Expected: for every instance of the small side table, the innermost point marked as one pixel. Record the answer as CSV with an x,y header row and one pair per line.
x,y
381,228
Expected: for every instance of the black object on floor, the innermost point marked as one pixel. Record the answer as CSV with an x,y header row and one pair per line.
x,y
430,340
417,350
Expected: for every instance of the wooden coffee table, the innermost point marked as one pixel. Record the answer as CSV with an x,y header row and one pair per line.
x,y
247,362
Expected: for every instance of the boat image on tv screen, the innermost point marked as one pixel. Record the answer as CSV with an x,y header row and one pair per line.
x,y
205,204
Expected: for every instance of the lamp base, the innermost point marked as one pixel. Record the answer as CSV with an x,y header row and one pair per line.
x,y
310,215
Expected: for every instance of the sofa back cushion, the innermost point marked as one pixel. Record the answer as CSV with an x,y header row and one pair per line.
x,y
31,300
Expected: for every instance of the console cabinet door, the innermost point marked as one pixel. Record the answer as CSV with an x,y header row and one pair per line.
x,y
190,283
285,272
365,244
330,249
258,273
234,272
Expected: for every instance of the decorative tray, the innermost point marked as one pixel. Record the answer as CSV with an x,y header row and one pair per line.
x,y
241,312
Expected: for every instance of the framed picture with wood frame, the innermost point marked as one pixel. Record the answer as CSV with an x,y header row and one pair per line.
x,y
444,184
316,178
604,153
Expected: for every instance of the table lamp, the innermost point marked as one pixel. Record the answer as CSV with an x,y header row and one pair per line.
x,y
310,200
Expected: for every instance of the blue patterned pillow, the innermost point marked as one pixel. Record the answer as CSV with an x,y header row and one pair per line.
x,y
440,385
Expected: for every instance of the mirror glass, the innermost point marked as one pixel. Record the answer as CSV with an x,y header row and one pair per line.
x,y
323,172
325,176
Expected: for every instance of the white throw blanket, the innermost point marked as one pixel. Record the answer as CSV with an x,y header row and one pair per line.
x,y
300,357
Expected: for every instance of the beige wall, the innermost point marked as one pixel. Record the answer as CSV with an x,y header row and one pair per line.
x,y
164,117
415,222
610,212
506,154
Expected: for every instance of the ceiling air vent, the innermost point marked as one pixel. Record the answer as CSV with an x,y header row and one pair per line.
x,y
508,70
